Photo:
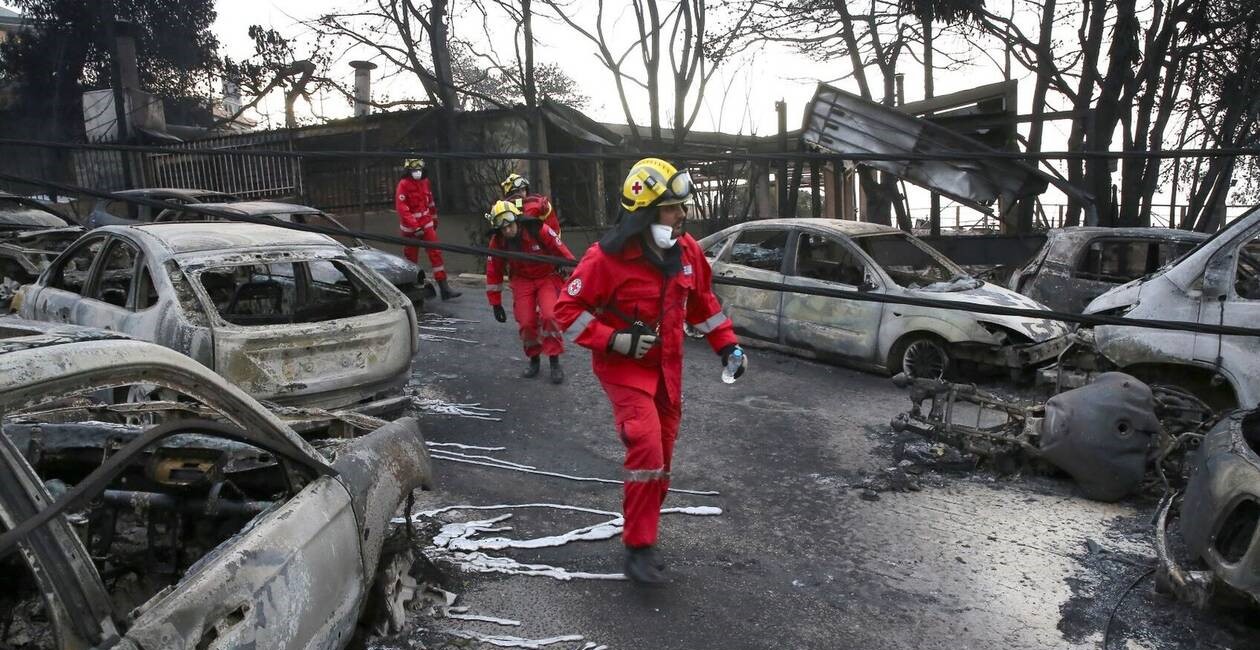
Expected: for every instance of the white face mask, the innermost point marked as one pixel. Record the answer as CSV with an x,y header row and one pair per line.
x,y
417,175
663,235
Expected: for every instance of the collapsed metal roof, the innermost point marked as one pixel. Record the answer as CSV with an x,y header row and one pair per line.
x,y
843,123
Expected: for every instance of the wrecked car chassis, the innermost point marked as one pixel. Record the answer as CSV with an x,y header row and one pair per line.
x,y
1219,518
1104,435
282,560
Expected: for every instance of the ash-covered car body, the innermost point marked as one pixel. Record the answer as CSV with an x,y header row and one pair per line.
x,y
1219,517
288,569
1216,283
288,316
864,257
1079,264
31,236
399,271
120,212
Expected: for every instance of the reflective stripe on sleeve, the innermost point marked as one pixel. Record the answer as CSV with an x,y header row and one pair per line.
x,y
579,324
711,323
645,475
494,287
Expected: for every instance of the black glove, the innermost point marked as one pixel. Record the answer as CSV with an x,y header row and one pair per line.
x,y
743,358
499,314
634,341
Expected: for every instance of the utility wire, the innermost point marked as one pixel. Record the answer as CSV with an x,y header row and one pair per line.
x,y
845,294
690,156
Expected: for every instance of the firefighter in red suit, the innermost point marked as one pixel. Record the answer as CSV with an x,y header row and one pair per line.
x,y
417,219
536,206
535,285
627,301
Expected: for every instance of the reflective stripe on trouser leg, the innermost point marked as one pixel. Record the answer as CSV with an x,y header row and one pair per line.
x,y
525,311
639,427
548,294
435,255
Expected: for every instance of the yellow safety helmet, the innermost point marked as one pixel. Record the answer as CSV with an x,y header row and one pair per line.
x,y
413,164
502,213
652,182
514,182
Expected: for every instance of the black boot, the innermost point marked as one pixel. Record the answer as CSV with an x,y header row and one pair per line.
x,y
643,568
557,373
446,291
535,365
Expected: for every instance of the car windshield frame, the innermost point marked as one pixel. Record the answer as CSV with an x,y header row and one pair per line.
x,y
956,272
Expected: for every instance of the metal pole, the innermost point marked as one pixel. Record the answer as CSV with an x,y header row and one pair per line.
x,y
782,181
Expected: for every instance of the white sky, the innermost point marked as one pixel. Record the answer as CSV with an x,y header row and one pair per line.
x,y
755,82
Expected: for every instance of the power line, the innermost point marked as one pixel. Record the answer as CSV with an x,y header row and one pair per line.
x,y
687,156
844,294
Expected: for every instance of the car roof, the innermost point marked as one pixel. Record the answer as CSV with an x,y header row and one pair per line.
x,y
181,192
259,207
201,236
850,228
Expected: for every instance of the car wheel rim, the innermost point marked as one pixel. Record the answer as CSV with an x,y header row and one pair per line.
x,y
925,359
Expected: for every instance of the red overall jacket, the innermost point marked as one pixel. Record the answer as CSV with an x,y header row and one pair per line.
x,y
546,243
413,200
539,207
609,291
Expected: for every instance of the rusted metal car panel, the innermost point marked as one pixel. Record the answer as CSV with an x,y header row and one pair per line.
x,y
1216,283
399,271
1219,517
294,576
866,257
288,316
119,212
1079,264
31,236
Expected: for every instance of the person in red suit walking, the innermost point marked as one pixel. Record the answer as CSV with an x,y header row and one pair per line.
x,y
535,285
417,219
628,300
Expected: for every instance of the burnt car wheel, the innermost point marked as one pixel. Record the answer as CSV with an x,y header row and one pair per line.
x,y
921,357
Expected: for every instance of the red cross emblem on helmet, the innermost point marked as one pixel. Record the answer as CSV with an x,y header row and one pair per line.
x,y
637,187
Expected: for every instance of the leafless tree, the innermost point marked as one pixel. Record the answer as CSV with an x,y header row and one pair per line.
x,y
670,52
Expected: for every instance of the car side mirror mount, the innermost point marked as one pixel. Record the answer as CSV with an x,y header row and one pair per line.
x,y
867,285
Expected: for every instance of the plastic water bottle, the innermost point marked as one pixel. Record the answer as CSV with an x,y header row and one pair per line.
x,y
733,363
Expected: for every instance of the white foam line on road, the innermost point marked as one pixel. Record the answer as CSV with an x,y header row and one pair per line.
x,y
588,479
435,338
468,447
503,641
478,562
515,506
507,622
598,532
489,458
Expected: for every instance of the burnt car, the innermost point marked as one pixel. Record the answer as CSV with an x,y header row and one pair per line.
x,y
1219,517
288,316
399,271
222,530
120,212
870,258
1079,264
31,235
1216,283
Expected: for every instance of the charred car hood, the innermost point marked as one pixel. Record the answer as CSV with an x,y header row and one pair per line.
x,y
1037,329
398,271
1125,295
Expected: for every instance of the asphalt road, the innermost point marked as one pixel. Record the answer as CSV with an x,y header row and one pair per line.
x,y
797,558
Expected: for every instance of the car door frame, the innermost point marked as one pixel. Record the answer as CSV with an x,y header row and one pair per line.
x,y
868,354
46,292
729,247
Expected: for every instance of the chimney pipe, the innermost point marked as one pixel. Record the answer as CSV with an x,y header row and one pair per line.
x,y
362,87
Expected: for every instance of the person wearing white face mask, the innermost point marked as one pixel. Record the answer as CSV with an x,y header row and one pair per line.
x,y
417,219
627,301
